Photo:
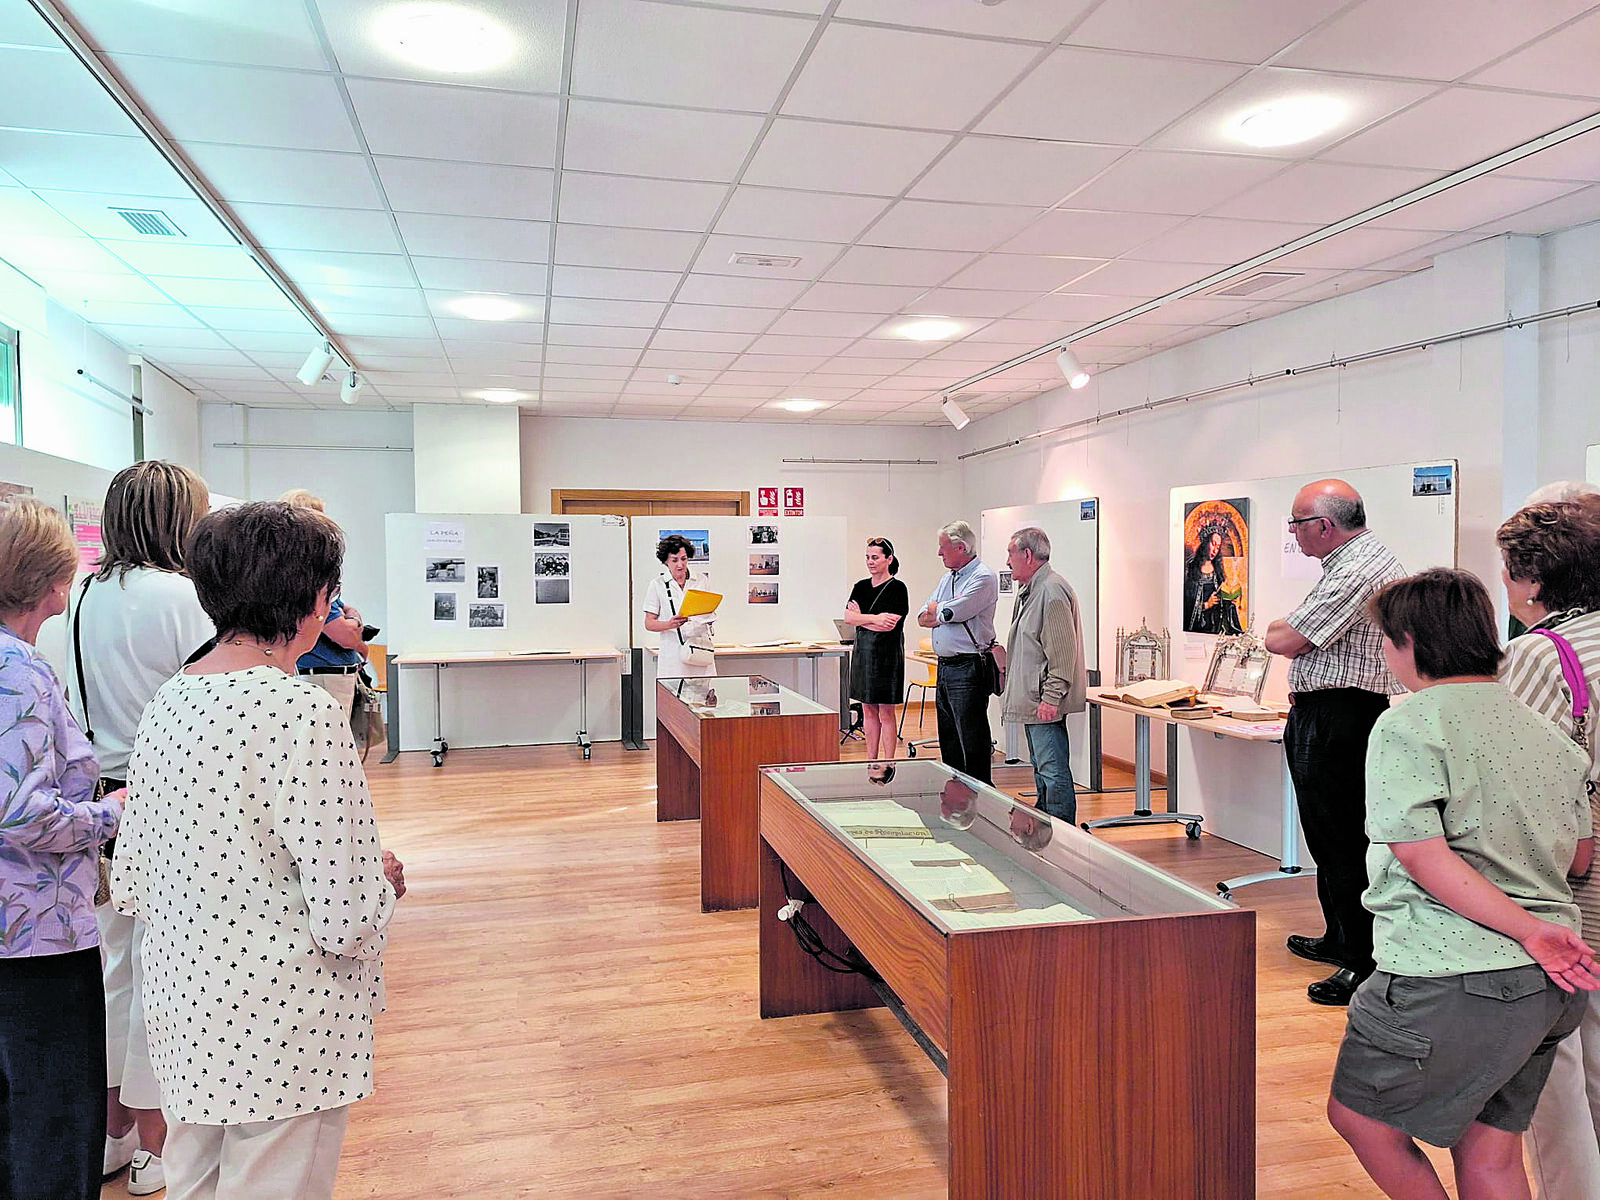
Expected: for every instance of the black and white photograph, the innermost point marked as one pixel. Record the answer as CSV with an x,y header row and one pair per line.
x,y
552,565
763,564
447,570
551,533
760,685
486,616
552,591
765,592
444,606
488,583
1005,581
763,535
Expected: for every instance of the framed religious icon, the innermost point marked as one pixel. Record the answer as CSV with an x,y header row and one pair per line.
x,y
1238,667
1142,654
1216,566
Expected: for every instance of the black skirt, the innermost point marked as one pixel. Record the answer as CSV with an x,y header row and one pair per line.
x,y
878,666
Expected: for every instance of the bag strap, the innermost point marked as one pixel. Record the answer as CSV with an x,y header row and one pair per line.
x,y
1572,672
666,584
77,655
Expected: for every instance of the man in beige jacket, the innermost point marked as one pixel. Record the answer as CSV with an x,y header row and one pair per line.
x,y
1045,674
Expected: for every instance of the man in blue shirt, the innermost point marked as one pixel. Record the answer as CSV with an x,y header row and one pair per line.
x,y
338,655
961,615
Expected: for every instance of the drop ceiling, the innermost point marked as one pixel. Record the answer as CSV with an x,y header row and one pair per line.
x,y
1024,169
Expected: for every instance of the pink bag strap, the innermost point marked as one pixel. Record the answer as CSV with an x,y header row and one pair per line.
x,y
1572,672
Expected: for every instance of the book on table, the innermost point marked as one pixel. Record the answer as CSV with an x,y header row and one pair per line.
x,y
1156,693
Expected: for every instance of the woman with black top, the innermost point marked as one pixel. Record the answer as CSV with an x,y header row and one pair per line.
x,y
877,608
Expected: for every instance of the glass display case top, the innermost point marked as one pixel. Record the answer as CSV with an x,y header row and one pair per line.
x,y
740,696
971,857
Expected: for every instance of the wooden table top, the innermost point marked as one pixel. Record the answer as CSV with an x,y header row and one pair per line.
x,y
599,653
1247,731
792,650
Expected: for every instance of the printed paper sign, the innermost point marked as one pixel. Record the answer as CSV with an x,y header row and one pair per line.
x,y
85,517
444,536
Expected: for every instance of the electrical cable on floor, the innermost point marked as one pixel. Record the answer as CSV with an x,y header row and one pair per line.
x,y
809,940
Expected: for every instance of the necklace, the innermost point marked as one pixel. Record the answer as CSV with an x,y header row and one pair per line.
x,y
250,645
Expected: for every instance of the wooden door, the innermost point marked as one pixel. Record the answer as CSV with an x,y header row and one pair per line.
x,y
640,503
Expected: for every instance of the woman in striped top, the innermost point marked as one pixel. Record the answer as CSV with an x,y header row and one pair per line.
x,y
1552,578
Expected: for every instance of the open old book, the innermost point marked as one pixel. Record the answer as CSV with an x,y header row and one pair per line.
x,y
1156,693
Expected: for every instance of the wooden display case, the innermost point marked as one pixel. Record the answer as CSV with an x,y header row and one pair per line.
x,y
1096,1017
712,733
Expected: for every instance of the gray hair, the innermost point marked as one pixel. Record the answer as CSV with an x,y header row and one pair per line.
x,y
1034,540
1566,489
1348,515
961,533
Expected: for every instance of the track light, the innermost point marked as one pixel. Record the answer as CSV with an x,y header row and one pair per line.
x,y
316,364
350,389
952,413
1072,369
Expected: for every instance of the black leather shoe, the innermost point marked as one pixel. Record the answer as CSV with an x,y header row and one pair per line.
x,y
1336,990
1314,949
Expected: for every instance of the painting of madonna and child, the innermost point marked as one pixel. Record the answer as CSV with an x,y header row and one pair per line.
x,y
1216,566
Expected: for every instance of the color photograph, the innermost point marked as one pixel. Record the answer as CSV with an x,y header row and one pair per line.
x,y
763,564
1216,566
764,593
700,539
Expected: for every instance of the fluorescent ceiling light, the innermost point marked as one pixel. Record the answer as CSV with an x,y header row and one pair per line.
x,y
503,395
485,308
801,405
1071,369
929,329
444,37
1287,121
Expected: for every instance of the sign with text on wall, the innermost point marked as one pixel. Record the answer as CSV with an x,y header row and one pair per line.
x,y
767,501
794,502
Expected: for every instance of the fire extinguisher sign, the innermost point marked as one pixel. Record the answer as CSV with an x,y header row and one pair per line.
x,y
767,501
794,502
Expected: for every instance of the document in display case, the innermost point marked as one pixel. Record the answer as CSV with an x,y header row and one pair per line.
x,y
1069,988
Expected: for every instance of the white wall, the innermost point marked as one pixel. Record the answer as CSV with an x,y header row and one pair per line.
x,y
360,486
467,459
1569,353
172,426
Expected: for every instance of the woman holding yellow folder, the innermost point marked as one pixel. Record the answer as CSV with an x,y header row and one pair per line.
x,y
686,646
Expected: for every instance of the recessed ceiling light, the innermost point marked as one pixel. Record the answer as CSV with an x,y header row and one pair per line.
x,y
799,404
929,329
1285,122
503,395
444,37
485,308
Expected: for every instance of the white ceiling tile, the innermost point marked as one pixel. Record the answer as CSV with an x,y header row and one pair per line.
x,y
656,362
176,359
373,301
811,216
86,162
364,325
465,124
827,157
1023,272
1563,62
779,343
332,267
48,89
826,324
255,320
857,297
222,375
29,253
475,237
1359,247
1000,170
639,203
1473,203
394,347
884,265
1425,39
72,287
1088,234
480,275
268,33
932,225
876,364
701,340
255,106
605,283
1040,20
94,214
1575,208
1114,98
669,143
21,26
1577,159
1033,333
270,341
537,37
22,214
591,354
1240,31
1458,127
597,335
795,364
110,312
1322,193
661,54
203,262
864,73
559,371
379,368
223,293
1144,280
717,255
526,332
970,302
137,337
731,289
288,227
894,352
422,185
309,177
1219,241
637,249
1166,182
716,318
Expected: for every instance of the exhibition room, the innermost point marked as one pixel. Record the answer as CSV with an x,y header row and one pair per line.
x,y
735,599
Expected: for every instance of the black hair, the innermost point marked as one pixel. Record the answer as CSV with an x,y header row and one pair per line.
x,y
259,568
887,547
671,544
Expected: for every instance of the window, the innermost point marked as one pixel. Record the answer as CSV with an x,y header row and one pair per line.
x,y
10,387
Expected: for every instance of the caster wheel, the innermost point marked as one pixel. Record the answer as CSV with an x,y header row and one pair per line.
x,y
1085,827
1193,830
443,746
585,754
1226,895
438,759
911,752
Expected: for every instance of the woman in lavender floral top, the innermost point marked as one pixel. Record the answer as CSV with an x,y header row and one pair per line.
x,y
52,1008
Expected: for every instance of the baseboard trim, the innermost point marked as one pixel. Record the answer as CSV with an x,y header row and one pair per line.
x,y
1111,760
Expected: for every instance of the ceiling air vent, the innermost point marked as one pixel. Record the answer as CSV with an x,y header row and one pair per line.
x,y
1251,284
770,261
149,221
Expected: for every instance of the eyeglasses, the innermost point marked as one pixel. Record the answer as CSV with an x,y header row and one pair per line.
x,y
1303,520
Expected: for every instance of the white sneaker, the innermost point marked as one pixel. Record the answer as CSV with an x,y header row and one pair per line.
x,y
120,1151
147,1176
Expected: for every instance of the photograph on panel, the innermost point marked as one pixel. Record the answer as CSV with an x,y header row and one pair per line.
x,y
763,564
760,685
765,592
1433,481
552,564
552,534
763,535
447,570
1216,566
444,606
486,616
1006,584
488,583
552,591
699,539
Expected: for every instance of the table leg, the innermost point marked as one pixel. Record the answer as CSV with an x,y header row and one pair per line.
x,y
583,707
392,698
440,746
1289,858
1142,813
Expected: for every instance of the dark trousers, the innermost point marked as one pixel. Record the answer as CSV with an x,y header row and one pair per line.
x,y
52,1076
962,704
1326,744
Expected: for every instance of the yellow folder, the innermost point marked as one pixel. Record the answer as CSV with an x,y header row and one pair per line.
x,y
698,604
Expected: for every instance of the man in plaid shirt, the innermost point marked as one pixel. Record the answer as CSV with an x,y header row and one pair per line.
x,y
1339,685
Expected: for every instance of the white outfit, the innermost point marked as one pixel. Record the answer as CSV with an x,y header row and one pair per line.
x,y
137,629
250,849
341,687
293,1159
662,600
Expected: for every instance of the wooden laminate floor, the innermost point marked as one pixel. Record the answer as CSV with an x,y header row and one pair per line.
x,y
565,1023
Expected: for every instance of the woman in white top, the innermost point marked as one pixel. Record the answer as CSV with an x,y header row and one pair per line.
x,y
1552,578
135,623
686,645
251,852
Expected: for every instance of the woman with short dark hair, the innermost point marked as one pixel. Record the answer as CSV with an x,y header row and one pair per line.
x,y
687,648
251,843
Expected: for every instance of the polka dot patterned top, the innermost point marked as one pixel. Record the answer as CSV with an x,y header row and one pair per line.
x,y
250,849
